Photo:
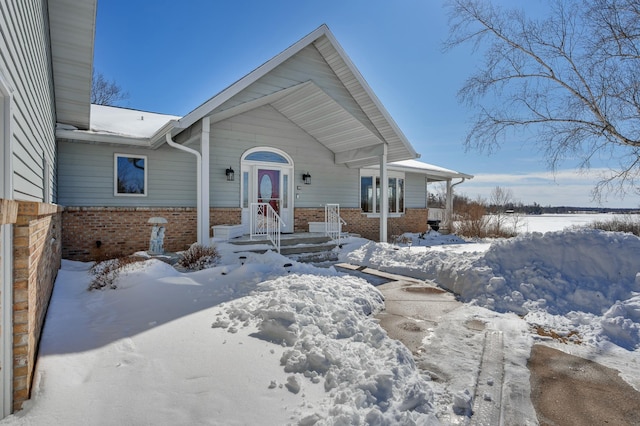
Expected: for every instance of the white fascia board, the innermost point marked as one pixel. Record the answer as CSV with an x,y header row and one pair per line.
x,y
84,136
370,92
158,137
435,174
252,77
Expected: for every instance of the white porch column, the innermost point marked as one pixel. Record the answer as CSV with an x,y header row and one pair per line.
x,y
384,195
203,207
448,211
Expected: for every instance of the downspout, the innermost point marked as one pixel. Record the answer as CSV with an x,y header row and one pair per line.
x,y
198,182
448,214
204,180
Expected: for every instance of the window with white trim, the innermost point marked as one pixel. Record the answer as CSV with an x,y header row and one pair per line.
x,y
370,191
130,175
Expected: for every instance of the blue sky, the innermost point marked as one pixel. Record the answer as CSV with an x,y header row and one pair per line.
x,y
172,56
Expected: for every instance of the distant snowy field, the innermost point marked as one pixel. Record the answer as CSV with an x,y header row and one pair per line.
x,y
559,222
261,343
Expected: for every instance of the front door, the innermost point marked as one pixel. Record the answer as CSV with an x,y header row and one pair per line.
x,y
269,188
267,178
273,188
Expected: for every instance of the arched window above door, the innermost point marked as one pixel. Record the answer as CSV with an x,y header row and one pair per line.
x,y
267,155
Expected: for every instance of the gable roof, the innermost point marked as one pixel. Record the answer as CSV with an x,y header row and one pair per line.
x,y
315,110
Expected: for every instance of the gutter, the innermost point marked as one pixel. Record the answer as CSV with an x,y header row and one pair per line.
x,y
86,136
458,183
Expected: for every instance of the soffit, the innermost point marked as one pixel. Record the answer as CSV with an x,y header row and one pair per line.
x,y
72,29
318,114
399,147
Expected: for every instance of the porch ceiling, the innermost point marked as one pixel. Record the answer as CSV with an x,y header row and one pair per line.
x,y
318,114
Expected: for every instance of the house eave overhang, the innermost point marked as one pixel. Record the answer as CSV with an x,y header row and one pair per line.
x,y
397,133
431,175
72,31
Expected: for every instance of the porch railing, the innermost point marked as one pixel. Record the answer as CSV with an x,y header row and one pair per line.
x,y
436,214
264,221
333,222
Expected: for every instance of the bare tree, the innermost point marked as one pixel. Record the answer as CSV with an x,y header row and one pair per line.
x,y
569,79
500,201
105,92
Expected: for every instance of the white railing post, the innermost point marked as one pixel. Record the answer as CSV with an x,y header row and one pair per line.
x,y
333,222
265,221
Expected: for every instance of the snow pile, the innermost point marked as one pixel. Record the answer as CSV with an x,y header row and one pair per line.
x,y
330,343
585,270
260,338
594,273
433,238
298,347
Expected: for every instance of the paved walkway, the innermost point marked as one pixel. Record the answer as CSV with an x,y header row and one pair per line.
x,y
412,306
565,390
569,390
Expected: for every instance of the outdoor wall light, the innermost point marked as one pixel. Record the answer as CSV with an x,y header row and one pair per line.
x,y
306,178
230,174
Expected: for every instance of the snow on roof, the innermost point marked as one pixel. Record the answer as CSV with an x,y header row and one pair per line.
x,y
426,167
127,122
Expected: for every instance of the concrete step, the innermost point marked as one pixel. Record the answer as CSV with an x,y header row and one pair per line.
x,y
290,244
306,248
285,240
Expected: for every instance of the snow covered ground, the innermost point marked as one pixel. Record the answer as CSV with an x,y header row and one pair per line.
x,y
261,343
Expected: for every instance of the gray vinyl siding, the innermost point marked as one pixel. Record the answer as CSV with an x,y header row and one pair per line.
x,y
25,62
86,176
415,190
266,127
306,65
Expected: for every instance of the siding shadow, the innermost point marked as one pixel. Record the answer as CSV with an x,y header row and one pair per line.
x,y
154,294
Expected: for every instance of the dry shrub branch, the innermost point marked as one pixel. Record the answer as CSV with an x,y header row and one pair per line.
x,y
106,272
199,257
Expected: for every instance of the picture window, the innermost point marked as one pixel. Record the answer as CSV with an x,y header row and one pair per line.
x,y
130,175
370,193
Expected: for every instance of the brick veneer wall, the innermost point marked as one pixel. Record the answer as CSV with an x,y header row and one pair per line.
x,y
122,231
37,248
413,220
225,216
